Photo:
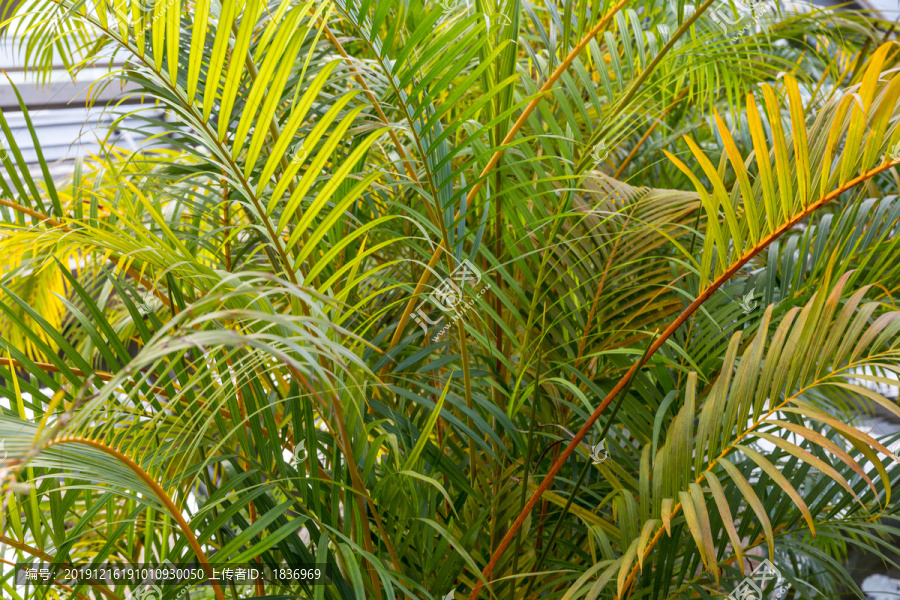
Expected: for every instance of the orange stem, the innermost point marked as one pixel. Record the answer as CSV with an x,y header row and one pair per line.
x,y
160,493
656,345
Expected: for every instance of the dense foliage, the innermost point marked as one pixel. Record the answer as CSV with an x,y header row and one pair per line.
x,y
561,300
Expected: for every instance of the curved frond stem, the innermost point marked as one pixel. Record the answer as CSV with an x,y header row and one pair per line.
x,y
47,367
277,417
31,213
51,559
600,287
411,173
637,83
418,141
362,497
58,584
656,345
274,131
401,151
54,223
273,238
649,131
542,93
105,376
510,136
420,287
160,493
731,446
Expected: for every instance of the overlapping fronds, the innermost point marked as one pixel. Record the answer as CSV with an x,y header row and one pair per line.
x,y
583,300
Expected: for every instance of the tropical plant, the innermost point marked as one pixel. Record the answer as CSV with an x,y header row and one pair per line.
x,y
563,300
